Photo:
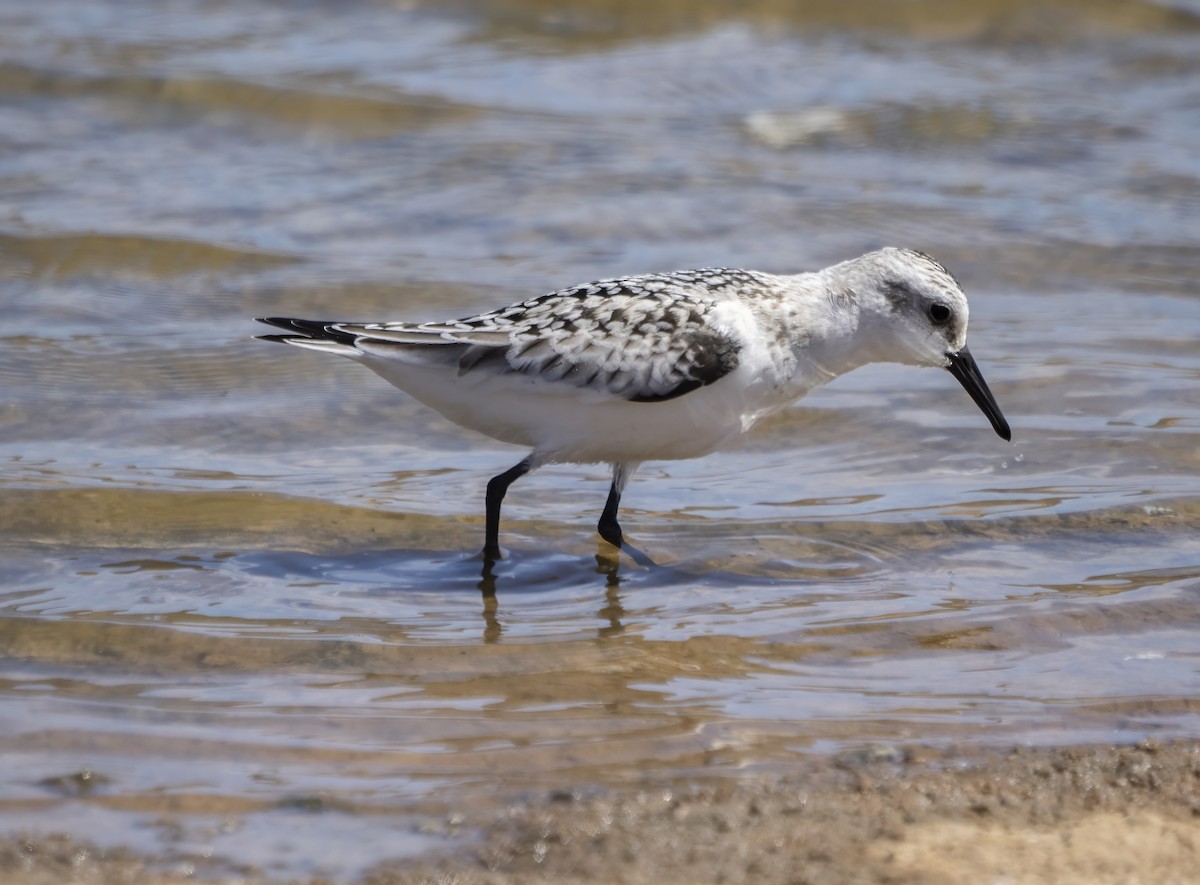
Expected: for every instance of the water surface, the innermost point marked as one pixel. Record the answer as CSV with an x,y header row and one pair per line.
x,y
241,610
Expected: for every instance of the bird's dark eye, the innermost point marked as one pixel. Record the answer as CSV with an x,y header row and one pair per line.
x,y
939,313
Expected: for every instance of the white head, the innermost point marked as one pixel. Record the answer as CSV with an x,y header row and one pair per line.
x,y
909,304
914,311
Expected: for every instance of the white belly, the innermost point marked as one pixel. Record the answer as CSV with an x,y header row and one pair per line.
x,y
564,423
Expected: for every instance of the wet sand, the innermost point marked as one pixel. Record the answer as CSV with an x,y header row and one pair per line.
x,y
1094,814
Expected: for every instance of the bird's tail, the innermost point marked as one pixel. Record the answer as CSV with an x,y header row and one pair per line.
x,y
313,334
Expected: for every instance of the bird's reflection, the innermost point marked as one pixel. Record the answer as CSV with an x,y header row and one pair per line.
x,y
492,628
366,579
612,611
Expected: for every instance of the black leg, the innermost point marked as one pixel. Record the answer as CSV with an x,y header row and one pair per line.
x,y
496,489
608,527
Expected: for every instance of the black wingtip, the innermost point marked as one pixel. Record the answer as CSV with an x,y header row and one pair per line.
x,y
294,325
321,330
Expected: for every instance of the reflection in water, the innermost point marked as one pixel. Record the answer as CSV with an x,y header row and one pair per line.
x,y
487,587
610,568
607,566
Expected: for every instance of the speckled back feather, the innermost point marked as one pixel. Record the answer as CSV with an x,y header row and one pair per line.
x,y
645,338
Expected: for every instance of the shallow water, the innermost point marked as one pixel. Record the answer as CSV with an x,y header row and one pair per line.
x,y
239,586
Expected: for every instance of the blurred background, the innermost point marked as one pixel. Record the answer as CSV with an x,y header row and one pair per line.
x,y
239,613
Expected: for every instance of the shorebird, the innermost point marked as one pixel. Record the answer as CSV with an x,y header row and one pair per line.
x,y
660,366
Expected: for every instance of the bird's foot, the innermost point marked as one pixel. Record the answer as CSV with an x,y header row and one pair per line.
x,y
619,544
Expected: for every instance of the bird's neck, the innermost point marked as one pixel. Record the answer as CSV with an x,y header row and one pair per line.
x,y
829,330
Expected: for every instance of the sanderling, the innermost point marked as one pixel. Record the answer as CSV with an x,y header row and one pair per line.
x,y
661,366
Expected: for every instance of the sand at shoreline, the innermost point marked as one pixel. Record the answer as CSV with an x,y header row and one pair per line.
x,y
1071,815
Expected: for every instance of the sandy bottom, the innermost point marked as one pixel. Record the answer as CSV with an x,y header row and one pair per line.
x,y
1070,815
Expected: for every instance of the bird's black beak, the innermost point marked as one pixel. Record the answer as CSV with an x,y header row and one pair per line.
x,y
962,366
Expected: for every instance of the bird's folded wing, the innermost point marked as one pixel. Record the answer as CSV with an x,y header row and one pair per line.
x,y
426,333
650,352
